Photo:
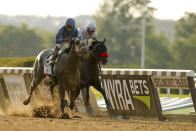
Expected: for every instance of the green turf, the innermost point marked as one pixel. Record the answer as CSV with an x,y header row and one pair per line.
x,y
174,95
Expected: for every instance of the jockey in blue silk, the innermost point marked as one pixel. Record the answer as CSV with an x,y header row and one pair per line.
x,y
65,35
88,32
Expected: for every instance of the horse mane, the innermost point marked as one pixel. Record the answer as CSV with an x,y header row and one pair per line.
x,y
93,43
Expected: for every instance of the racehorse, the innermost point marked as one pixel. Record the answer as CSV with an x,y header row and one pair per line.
x,y
90,69
66,70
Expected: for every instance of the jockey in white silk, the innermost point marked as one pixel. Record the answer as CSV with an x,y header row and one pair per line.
x,y
88,32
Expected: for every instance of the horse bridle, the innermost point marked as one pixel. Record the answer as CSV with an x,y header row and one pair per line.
x,y
98,57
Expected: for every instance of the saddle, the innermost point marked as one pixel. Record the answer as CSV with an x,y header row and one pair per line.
x,y
49,68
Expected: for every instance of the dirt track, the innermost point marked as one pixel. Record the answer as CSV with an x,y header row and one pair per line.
x,y
14,123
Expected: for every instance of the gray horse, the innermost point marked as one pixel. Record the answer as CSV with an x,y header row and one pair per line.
x,y
66,70
89,72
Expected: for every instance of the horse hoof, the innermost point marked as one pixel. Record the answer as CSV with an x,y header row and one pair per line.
x,y
89,110
71,113
110,107
87,103
66,103
65,116
26,102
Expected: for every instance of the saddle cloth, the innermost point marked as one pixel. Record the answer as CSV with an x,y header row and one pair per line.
x,y
48,69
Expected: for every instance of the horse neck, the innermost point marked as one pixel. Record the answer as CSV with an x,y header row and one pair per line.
x,y
92,60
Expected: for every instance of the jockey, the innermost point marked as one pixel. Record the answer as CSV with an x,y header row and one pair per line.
x,y
88,32
65,35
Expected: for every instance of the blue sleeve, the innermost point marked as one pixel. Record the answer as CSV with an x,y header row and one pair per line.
x,y
60,40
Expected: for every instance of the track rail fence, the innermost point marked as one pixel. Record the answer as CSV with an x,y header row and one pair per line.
x,y
132,92
15,86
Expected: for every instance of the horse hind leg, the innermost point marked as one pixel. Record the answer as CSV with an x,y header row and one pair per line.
x,y
38,76
33,86
86,97
85,90
52,86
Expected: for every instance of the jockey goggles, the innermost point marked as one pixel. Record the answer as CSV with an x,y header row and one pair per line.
x,y
69,26
90,30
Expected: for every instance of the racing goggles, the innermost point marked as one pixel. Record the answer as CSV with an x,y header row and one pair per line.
x,y
90,30
69,26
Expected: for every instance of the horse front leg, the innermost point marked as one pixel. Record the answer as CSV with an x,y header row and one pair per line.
x,y
62,98
72,102
73,95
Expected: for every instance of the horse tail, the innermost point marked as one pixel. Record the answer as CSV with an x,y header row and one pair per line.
x,y
38,70
36,66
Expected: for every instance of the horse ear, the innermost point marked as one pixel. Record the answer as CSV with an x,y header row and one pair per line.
x,y
104,40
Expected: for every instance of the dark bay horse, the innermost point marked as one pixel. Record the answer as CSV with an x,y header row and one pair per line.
x,y
67,73
89,69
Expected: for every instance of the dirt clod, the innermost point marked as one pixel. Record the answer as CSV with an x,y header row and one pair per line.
x,y
43,112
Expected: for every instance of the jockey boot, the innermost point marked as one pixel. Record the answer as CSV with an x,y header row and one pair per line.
x,y
54,56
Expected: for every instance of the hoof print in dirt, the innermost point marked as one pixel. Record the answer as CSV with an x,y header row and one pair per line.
x,y
65,116
43,112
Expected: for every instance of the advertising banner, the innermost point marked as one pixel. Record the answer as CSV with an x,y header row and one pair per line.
x,y
130,95
170,82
